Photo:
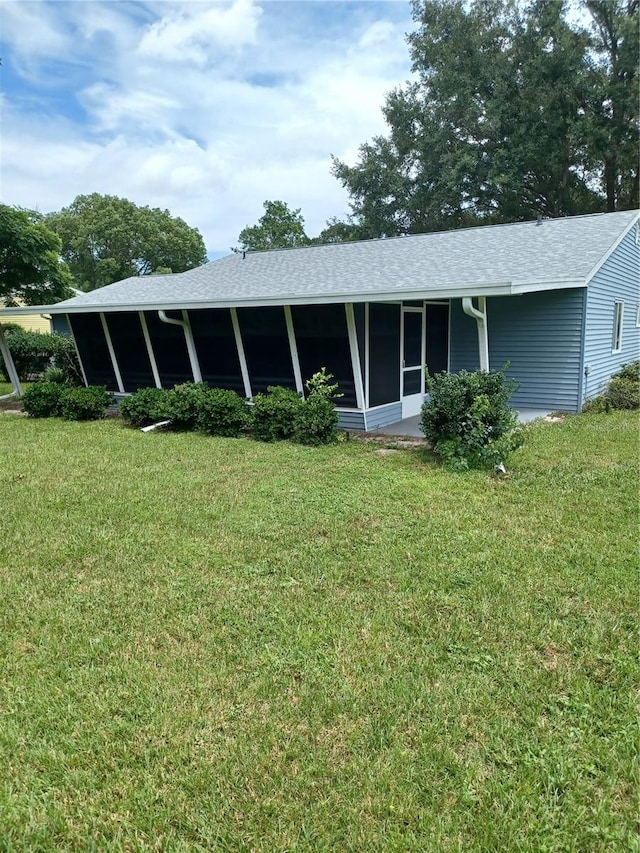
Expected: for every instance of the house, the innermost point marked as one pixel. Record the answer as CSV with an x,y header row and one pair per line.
x,y
559,300
30,322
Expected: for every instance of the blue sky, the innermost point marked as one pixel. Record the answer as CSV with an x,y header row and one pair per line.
x,y
203,108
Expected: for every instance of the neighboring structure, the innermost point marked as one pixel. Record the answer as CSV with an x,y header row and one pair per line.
x,y
557,299
30,322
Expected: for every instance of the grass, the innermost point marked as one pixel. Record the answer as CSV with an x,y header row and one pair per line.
x,y
223,645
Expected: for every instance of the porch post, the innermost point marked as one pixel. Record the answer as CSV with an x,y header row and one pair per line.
x,y
8,363
355,357
480,316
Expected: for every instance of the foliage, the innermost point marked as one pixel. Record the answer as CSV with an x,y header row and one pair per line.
x,y
30,267
274,414
320,385
85,404
258,645
623,391
55,374
183,404
278,228
516,112
42,400
316,421
467,419
106,239
222,412
34,352
146,406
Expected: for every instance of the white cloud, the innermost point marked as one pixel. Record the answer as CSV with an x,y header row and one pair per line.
x,y
258,101
192,33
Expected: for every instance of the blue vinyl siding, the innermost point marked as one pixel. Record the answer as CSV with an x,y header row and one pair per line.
x,y
379,417
539,334
350,420
618,279
384,415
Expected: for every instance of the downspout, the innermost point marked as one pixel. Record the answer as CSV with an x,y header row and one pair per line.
x,y
11,368
480,316
191,347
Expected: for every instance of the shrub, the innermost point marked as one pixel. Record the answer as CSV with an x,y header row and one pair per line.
x,y
183,404
145,407
34,352
85,404
468,420
42,400
597,405
316,421
273,415
55,374
624,387
622,392
222,412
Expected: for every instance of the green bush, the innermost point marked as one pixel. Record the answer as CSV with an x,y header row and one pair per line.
x,y
223,413
183,404
597,405
624,388
42,400
468,420
146,406
55,374
316,421
622,392
84,404
273,415
34,352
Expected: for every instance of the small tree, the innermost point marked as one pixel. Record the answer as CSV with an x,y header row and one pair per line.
x,y
468,420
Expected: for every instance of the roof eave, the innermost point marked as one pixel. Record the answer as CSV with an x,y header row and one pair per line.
x,y
494,289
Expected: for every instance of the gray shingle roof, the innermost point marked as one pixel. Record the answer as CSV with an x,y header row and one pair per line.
x,y
488,260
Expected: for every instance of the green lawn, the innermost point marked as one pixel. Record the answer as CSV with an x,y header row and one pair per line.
x,y
219,645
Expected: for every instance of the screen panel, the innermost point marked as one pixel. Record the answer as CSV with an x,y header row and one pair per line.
x,y
169,349
437,338
131,350
322,340
94,352
384,353
412,344
215,344
266,348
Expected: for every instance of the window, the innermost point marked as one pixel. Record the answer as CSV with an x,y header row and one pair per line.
x,y
638,316
618,316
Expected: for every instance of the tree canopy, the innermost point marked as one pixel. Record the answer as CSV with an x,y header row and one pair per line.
x,y
278,228
516,112
30,266
106,238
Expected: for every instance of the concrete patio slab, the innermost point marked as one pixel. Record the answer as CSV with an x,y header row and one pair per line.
x,y
410,427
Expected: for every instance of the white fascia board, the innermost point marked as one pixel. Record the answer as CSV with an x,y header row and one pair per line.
x,y
539,285
635,222
445,293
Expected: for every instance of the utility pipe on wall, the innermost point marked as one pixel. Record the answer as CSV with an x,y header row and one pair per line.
x,y
480,316
191,347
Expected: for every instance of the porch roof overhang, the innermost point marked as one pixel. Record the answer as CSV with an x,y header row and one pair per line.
x,y
504,288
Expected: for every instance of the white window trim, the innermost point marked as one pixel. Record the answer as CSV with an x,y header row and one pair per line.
x,y
618,326
638,316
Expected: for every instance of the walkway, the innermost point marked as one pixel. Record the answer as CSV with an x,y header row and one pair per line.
x,y
411,426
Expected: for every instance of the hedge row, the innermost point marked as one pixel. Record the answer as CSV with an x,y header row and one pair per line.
x,y
53,399
34,354
278,415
